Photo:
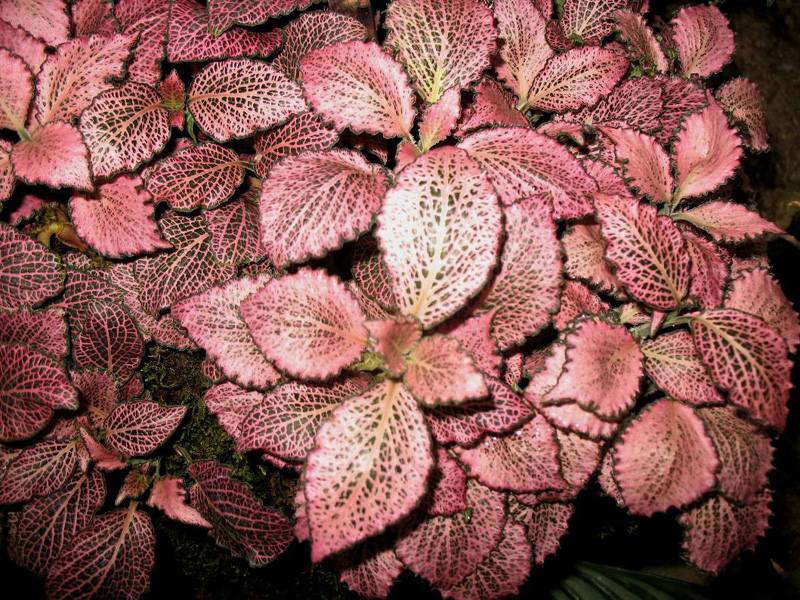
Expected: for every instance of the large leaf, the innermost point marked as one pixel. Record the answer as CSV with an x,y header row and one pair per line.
x,y
526,291
357,85
55,155
522,162
117,220
442,44
42,330
307,324
223,14
728,222
109,340
231,404
743,102
748,359
646,162
16,91
647,250
147,19
45,19
664,458
29,273
368,468
38,470
138,428
589,20
124,127
235,98
111,558
313,203
703,39
642,42
437,255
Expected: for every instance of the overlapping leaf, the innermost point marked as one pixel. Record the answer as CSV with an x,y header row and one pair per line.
x,y
703,39
168,496
642,43
545,525
29,48
44,19
439,119
235,228
38,470
16,90
42,330
90,17
728,222
148,20
109,340
743,102
137,428
370,570
585,249
491,105
369,272
223,14
302,133
231,404
393,339
710,267
99,391
475,337
55,155
448,483
646,163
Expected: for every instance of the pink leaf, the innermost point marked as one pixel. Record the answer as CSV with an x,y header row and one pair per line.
x,y
235,98
213,321
370,570
718,531
441,44
664,458
82,289
16,90
525,50
571,417
117,220
526,291
605,477
441,372
173,96
728,222
577,300
523,461
54,156
99,392
168,278
372,310
42,330
147,19
303,133
109,341
436,255
136,483
545,525
576,78
444,550
111,558
286,421
231,404
646,163
223,14
589,20
235,227
748,359
124,128
357,85
648,251
491,105
586,258
7,176
102,458
369,272
168,495
138,428
44,19
745,453
475,337
38,470
501,573
757,293
681,99
48,525
368,468
32,386
189,37
743,102
709,270
439,119
314,202
513,369
703,38
707,153
448,486
674,365
30,49
90,17
393,339
603,369
77,72
521,162
312,31
308,324
642,43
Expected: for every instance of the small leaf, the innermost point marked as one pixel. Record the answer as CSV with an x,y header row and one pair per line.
x,y
54,156
393,339
370,273
743,102
302,133
586,258
102,458
728,222
231,404
173,96
646,163
308,324
703,39
448,486
44,19
168,495
223,14
138,428
545,525
38,470
147,19
664,458
642,43
589,20
439,119
16,90
709,270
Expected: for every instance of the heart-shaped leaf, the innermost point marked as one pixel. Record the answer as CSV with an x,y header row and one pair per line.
x,y
138,428
703,39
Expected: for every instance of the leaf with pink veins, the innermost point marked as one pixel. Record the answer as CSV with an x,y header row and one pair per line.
x,y
102,458
571,417
586,258
99,394
525,50
147,19
357,85
123,128
757,293
710,270
224,14
16,91
117,220
674,365
314,202
441,44
29,272
448,486
231,404
109,341
235,227
168,496
285,422
682,98
42,330
312,31
647,250
704,40
440,372
204,175
30,49
7,176
55,155
577,78
748,359
38,470
370,273
645,162
235,98
111,558
728,222
307,324
545,525
522,162
641,41
707,153
744,104
93,17
577,300
589,20
138,428
664,458
393,339
368,436
718,531
635,104
173,96
475,337
608,179
302,133
446,549
370,569
439,119
491,105
603,369
436,255
526,291
372,310
33,386
45,19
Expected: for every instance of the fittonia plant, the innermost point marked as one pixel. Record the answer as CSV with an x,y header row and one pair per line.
x,y
449,278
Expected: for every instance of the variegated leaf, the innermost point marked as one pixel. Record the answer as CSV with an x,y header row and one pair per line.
x,y
138,428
